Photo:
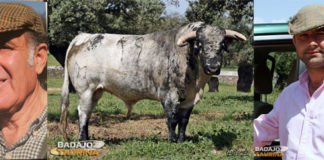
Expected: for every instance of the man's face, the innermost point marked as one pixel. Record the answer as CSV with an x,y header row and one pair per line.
x,y
310,48
17,77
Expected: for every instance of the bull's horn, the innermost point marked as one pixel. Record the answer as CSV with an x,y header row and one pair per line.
x,y
182,40
234,34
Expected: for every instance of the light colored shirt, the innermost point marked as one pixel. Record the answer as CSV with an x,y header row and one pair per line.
x,y
32,145
297,119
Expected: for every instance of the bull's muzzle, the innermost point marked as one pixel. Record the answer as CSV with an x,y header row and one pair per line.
x,y
212,69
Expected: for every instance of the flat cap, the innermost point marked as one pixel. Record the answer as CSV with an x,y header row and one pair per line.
x,y
308,18
15,16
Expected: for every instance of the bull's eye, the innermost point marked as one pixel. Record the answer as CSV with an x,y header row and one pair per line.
x,y
199,44
224,46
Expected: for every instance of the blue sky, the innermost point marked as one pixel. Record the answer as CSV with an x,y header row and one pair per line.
x,y
272,11
265,11
183,5
39,7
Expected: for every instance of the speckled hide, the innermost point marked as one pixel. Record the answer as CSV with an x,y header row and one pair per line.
x,y
151,66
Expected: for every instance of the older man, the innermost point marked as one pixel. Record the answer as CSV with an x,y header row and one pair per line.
x,y
298,114
23,55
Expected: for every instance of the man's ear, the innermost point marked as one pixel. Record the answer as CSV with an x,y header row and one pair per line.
x,y
40,57
294,41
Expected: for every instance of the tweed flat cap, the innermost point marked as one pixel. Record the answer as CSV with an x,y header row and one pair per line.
x,y
15,16
308,18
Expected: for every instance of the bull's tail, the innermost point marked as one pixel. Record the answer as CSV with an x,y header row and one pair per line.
x,y
65,99
65,102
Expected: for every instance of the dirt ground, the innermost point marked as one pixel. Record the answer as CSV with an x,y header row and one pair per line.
x,y
118,128
115,127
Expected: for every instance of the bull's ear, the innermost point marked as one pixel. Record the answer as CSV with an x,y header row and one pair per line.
x,y
182,41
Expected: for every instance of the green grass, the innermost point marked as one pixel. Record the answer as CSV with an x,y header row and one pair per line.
x,y
51,61
230,133
230,68
273,96
54,82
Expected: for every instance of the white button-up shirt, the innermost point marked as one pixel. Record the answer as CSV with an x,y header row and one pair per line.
x,y
297,119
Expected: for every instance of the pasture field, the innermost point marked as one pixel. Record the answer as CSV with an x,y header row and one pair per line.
x,y
220,127
273,96
51,61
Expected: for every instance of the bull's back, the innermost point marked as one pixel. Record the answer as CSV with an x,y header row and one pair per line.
x,y
130,67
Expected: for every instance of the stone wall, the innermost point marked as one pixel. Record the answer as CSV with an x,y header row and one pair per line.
x,y
55,71
232,80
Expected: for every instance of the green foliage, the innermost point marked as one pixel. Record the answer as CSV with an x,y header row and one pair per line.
x,y
69,18
284,63
230,14
172,20
51,61
271,98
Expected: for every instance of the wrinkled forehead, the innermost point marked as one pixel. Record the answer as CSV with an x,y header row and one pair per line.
x,y
313,31
212,34
7,36
15,38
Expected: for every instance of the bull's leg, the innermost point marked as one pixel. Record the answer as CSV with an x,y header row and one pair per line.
x,y
130,108
88,100
184,115
170,110
172,124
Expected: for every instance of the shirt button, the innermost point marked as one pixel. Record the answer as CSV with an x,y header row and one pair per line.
x,y
8,155
312,116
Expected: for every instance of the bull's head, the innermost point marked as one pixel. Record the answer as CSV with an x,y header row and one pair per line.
x,y
212,41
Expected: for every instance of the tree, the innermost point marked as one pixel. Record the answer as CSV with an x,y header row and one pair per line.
x,y
69,18
172,20
284,63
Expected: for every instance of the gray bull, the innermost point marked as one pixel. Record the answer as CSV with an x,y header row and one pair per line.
x,y
170,66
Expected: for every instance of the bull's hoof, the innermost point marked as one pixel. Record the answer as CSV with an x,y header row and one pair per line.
x,y
83,137
173,139
181,139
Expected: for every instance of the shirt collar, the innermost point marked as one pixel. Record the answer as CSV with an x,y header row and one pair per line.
x,y
303,78
303,82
